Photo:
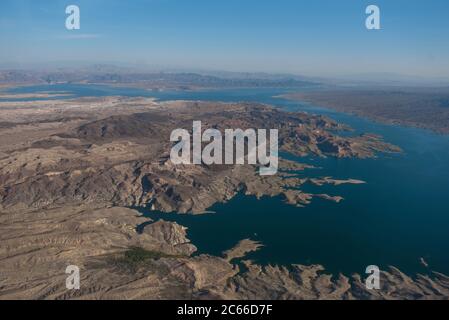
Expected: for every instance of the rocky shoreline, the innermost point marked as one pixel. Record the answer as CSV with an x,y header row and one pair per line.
x,y
72,166
424,108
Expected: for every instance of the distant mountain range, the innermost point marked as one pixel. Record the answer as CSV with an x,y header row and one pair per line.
x,y
153,78
108,74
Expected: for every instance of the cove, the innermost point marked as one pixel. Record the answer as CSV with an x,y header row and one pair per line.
x,y
399,216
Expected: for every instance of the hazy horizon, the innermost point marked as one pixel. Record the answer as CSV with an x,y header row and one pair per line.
x,y
322,38
379,78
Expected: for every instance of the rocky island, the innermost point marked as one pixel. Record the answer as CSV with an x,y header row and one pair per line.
x,y
71,169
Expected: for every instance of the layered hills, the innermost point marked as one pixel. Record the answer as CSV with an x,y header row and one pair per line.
x,y
70,169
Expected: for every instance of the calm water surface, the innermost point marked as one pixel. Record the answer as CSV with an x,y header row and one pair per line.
x,y
399,216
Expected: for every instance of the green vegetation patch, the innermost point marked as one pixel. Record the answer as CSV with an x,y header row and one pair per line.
x,y
135,258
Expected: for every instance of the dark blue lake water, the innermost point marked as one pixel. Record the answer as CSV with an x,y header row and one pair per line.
x,y
399,216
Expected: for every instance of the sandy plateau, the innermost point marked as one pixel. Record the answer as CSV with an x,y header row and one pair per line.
x,y
70,169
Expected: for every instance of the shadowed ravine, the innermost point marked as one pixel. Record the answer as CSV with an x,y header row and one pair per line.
x,y
75,164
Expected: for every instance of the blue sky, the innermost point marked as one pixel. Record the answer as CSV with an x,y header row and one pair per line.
x,y
313,37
